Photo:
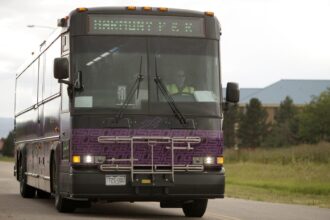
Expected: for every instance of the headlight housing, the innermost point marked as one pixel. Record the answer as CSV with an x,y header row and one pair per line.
x,y
208,161
203,160
88,159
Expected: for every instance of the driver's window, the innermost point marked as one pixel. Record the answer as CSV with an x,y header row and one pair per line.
x,y
188,67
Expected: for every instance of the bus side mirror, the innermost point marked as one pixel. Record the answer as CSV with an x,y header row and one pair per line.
x,y
61,68
232,92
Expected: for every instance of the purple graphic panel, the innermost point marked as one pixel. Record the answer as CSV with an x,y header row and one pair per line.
x,y
84,141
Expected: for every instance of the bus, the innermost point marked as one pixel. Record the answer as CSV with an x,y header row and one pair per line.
x,y
124,104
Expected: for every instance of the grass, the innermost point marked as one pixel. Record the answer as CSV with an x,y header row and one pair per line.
x,y
319,153
7,159
299,174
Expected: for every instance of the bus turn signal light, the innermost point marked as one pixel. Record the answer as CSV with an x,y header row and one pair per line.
x,y
82,9
131,8
147,8
209,13
162,9
220,160
75,159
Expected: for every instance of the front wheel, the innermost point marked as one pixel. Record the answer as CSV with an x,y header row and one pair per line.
x,y
195,208
62,204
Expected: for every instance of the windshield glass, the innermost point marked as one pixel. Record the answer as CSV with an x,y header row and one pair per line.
x,y
189,68
110,66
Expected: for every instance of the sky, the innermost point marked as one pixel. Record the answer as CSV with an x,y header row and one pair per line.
x,y
262,41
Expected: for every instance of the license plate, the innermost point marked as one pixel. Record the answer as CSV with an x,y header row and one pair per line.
x,y
115,180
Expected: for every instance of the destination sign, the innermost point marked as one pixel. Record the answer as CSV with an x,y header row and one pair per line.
x,y
146,25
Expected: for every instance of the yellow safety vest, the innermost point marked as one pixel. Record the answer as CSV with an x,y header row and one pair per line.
x,y
173,89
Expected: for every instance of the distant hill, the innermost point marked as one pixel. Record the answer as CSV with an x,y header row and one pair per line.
x,y
6,125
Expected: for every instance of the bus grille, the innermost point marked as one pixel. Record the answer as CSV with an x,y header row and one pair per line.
x,y
172,144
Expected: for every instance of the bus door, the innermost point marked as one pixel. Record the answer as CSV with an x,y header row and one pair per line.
x,y
65,119
65,126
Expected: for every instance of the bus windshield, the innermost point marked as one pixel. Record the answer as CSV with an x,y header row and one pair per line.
x,y
110,65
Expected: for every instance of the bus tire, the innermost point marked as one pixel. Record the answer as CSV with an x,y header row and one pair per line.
x,y
61,204
196,208
25,190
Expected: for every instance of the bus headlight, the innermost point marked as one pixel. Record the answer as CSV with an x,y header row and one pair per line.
x,y
99,159
198,160
203,160
88,159
208,160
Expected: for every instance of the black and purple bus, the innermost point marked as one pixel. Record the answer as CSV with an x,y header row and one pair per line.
x,y
124,104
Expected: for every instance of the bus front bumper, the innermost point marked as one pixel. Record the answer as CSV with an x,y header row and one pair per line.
x,y
193,185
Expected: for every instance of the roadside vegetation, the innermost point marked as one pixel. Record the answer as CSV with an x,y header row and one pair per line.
x,y
8,147
7,159
298,174
287,160
292,125
300,154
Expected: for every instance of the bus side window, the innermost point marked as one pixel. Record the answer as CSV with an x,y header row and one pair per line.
x,y
51,86
26,88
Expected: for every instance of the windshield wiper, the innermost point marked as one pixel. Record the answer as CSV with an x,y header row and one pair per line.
x,y
135,88
168,97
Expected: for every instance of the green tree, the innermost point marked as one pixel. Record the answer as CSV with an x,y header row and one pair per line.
x,y
285,129
286,112
253,126
8,149
314,120
229,122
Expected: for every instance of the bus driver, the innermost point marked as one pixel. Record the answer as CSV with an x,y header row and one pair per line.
x,y
180,85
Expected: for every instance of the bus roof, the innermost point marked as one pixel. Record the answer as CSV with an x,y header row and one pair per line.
x,y
131,10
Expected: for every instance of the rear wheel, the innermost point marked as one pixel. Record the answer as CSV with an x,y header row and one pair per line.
x,y
62,204
195,208
25,190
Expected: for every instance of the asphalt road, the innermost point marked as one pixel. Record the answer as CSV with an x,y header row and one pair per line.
x,y
13,206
